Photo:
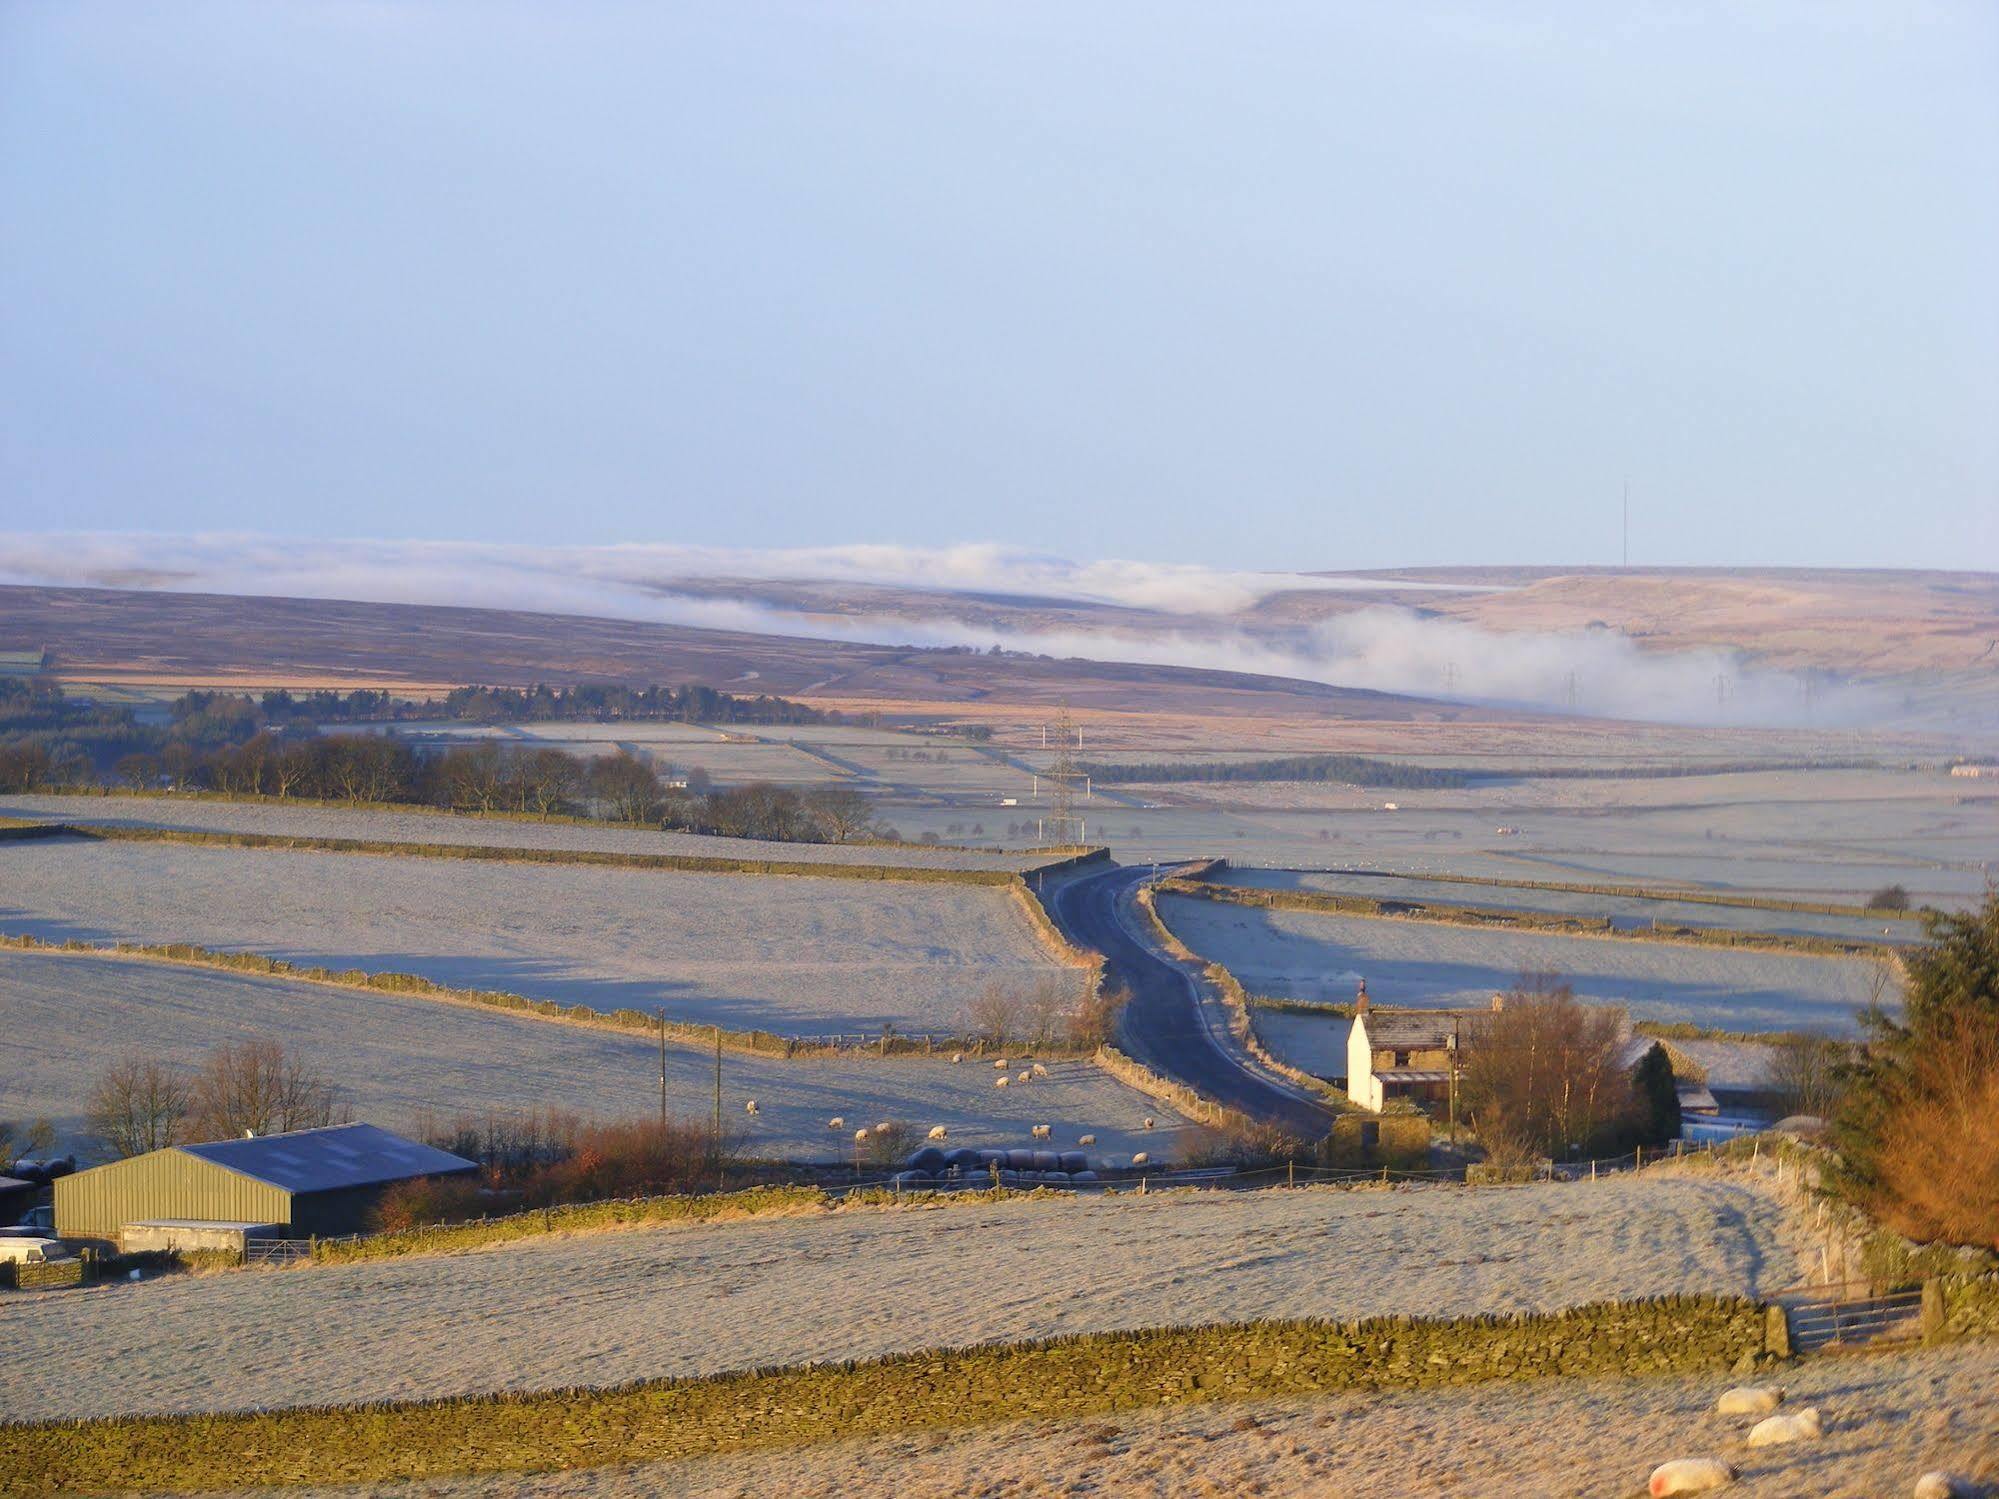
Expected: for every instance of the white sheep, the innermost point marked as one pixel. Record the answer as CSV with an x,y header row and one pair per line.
x,y
1148,1121
1689,1475
1086,1139
884,1127
1025,1077
1000,1063
1775,1431
1749,1400
1042,1132
836,1122
860,1136
1141,1159
1938,1484
750,1107
957,1057
1039,1070
938,1132
1001,1082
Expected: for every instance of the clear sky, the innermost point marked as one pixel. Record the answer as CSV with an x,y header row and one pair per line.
x,y
1310,285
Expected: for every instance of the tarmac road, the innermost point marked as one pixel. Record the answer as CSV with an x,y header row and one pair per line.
x,y
1164,1025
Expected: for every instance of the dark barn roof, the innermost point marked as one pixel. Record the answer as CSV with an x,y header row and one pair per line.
x,y
327,1160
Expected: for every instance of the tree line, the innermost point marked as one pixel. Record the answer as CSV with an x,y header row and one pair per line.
x,y
1359,770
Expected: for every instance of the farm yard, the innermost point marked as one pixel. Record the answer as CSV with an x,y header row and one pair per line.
x,y
605,1307
1307,955
792,955
403,1061
304,821
1888,1419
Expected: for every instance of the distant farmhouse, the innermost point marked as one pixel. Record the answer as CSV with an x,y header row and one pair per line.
x,y
1975,772
1405,1054
291,1186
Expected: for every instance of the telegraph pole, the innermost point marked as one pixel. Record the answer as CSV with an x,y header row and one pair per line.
x,y
662,1070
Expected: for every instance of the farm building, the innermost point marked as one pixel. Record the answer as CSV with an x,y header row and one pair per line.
x,y
1406,1054
307,1182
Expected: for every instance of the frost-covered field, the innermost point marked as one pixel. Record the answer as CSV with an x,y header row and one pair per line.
x,y
1888,1419
596,1309
1305,955
743,951
401,1061
1627,912
440,827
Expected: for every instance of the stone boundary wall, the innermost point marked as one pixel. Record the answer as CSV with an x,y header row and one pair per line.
x,y
944,1388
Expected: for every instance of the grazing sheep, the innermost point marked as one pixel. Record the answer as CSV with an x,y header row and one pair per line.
x,y
1941,1485
860,1136
884,1127
957,1057
1042,1132
1039,1070
1749,1400
1148,1121
1001,1082
750,1107
1025,1077
1086,1139
1689,1475
938,1132
836,1122
1000,1063
1141,1159
1775,1431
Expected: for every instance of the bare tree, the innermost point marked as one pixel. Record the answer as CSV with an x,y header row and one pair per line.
x,y
1804,1074
627,787
993,1015
1542,1072
1047,1008
1094,1021
842,813
19,1139
141,1104
254,1087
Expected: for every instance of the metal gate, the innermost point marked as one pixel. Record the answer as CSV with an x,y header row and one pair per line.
x,y
1846,1316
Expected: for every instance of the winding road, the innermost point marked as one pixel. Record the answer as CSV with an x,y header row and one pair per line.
x,y
1166,1025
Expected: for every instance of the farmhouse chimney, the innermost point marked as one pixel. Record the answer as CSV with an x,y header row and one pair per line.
x,y
1498,1003
1360,999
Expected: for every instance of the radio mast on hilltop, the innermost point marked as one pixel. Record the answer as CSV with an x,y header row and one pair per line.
x,y
1062,824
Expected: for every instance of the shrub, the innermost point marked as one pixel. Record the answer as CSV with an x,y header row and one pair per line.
x,y
1889,898
428,1200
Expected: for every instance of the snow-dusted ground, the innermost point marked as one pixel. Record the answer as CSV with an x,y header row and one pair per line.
x,y
600,1308
1624,911
404,1062
497,832
1888,1419
743,951
1306,955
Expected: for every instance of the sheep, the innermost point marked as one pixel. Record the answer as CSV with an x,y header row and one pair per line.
x,y
836,1122
1001,1082
1042,1132
1775,1431
1086,1139
1689,1475
1025,1077
1148,1121
1000,1063
750,1107
1749,1400
860,1136
1941,1485
957,1057
937,1132
1039,1070
1141,1159
884,1127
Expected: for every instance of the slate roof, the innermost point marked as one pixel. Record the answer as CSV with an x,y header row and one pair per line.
x,y
326,1160
1414,1030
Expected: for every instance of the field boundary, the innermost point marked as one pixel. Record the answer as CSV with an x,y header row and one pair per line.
x,y
775,1408
1533,923
415,986
1633,892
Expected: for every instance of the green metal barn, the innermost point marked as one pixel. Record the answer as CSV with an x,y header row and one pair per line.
x,y
308,1182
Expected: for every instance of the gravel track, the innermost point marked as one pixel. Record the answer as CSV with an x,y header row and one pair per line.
x,y
601,1308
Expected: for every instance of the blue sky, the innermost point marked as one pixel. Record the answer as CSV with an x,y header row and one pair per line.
x,y
1297,286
